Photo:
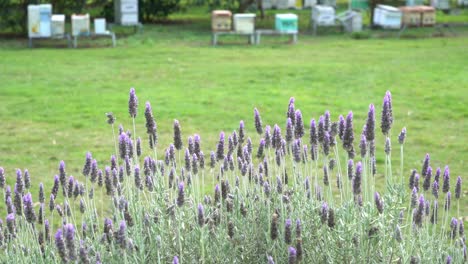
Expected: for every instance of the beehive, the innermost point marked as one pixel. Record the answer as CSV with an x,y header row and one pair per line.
x,y
286,22
221,20
428,16
244,23
411,16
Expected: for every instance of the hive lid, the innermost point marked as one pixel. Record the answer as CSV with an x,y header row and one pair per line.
x,y
286,16
323,8
409,9
426,8
244,15
221,13
58,17
388,8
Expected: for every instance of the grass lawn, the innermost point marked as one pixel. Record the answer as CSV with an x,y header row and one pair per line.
x,y
53,100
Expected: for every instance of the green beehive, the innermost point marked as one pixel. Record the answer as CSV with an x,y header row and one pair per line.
x,y
286,22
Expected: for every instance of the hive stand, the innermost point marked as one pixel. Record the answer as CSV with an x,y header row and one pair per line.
x,y
216,34
260,32
94,35
65,36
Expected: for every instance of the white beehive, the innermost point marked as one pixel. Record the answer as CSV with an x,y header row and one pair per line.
x,y
310,3
387,16
39,20
80,25
126,12
100,26
58,25
244,23
323,15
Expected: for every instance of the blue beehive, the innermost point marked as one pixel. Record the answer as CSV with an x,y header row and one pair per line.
x,y
286,22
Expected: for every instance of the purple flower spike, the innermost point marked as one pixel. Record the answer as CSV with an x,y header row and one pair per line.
x,y
458,188
357,179
321,129
425,165
448,199
435,189
220,147
341,127
449,260
175,260
378,202
201,215
19,181
313,133
292,259
181,195
418,214
289,131
241,131
270,260
132,103
402,136
362,146
287,231
177,135
387,115
11,224
121,235
196,144
350,169
28,208
327,121
326,143
27,179
446,186
60,244
299,127
453,228
2,178
427,179
370,124
276,138
258,122
261,147
70,241
437,175
87,165
291,112
348,134
151,126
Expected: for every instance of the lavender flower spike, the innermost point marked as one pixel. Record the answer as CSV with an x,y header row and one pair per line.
x,y
70,241
28,208
387,115
132,103
348,134
201,217
2,178
357,179
292,259
177,135
19,181
370,124
121,235
60,244
458,188
402,136
220,147
446,185
175,260
378,202
181,195
258,122
299,127
313,133
87,165
11,225
289,131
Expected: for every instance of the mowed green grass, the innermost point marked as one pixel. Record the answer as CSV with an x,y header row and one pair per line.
x,y
53,100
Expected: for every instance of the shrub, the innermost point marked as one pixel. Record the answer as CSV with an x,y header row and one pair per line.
x,y
310,199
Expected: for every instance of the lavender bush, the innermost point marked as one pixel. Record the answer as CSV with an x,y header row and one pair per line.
x,y
144,210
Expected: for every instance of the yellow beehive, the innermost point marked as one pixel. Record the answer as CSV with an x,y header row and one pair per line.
x,y
411,16
221,20
428,16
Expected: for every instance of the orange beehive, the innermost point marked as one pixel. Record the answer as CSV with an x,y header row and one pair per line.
x,y
221,20
411,16
428,16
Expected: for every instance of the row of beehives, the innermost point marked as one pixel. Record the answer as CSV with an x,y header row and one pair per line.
x,y
223,20
392,17
43,24
295,4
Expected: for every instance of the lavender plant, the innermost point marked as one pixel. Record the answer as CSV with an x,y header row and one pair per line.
x,y
167,211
